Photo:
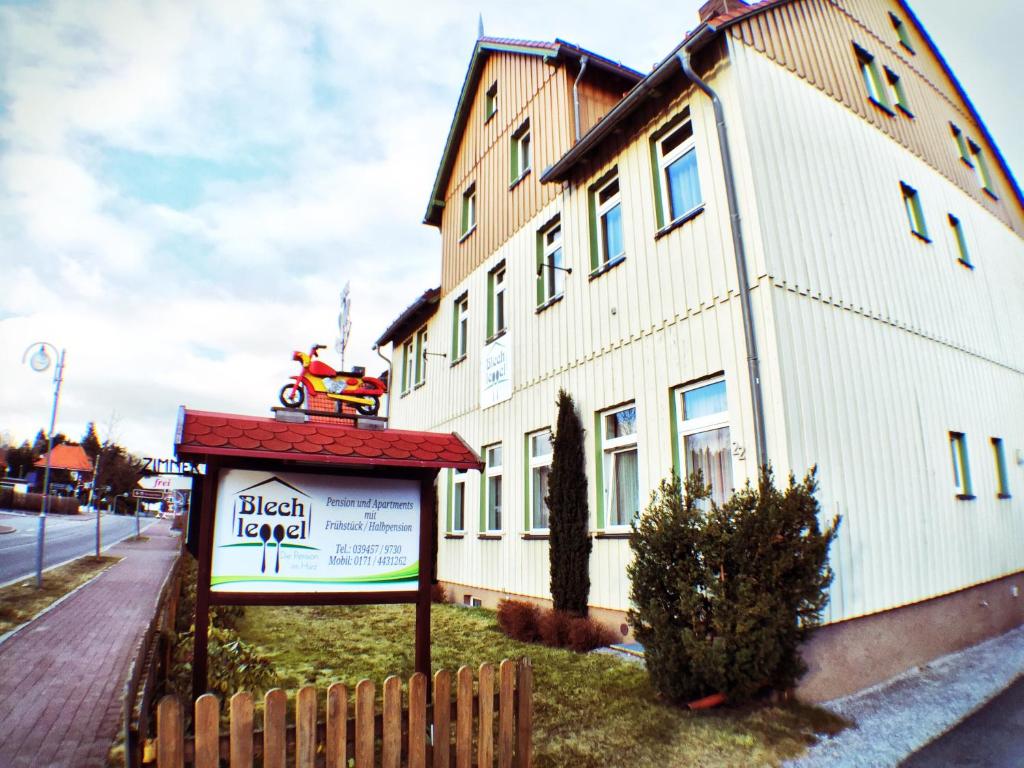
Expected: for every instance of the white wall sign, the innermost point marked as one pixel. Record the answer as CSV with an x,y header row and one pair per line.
x,y
291,532
496,373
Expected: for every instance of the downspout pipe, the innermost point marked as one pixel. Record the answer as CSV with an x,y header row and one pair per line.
x,y
576,95
753,365
387,411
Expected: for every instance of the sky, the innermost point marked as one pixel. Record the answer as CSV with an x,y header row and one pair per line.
x,y
185,187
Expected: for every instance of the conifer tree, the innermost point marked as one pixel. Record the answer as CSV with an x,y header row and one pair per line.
x,y
90,441
569,549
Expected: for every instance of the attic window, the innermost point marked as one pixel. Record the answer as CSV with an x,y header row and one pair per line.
x,y
901,31
491,102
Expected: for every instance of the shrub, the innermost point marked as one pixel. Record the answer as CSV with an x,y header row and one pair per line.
x,y
586,634
723,598
33,502
438,594
519,620
553,627
569,541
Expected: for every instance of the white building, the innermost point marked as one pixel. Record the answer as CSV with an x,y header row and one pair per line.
x,y
880,235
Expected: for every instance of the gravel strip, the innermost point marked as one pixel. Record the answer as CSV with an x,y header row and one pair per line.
x,y
898,717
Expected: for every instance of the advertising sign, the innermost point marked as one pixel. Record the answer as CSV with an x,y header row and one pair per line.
x,y
289,532
496,372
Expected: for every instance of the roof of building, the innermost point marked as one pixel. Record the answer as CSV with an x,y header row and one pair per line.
x,y
66,456
204,434
412,317
699,37
560,49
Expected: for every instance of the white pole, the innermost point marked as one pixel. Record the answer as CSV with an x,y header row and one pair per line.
x,y
58,378
92,491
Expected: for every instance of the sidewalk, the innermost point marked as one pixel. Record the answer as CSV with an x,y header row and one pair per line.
x,y
898,717
62,676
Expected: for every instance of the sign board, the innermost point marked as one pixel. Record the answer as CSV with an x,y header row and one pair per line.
x,y
289,532
142,493
496,372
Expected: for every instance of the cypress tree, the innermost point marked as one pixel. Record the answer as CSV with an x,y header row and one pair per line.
x,y
569,549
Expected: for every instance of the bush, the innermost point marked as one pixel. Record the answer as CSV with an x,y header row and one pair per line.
x,y
33,502
585,634
519,620
553,627
438,594
723,598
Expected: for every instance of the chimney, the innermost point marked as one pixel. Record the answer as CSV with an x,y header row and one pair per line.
x,y
713,8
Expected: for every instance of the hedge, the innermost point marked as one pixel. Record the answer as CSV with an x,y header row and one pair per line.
x,y
33,502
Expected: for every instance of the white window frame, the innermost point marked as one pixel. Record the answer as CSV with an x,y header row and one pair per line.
x,y
961,465
499,310
981,168
684,148
522,151
461,328
553,280
491,101
871,75
459,482
469,210
601,211
534,464
914,211
610,446
421,358
408,361
687,427
897,94
493,471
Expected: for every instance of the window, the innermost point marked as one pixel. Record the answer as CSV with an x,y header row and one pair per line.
x,y
915,216
872,78
539,451
460,327
491,101
469,210
678,187
901,31
550,269
961,145
608,219
896,92
620,470
408,362
496,302
961,468
703,436
457,501
961,242
1002,483
520,152
492,489
981,167
421,357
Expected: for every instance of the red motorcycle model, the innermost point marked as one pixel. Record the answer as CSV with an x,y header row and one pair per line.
x,y
363,392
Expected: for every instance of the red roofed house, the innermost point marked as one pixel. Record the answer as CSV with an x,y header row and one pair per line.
x,y
70,457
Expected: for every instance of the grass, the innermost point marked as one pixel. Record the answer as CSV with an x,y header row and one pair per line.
x,y
21,602
590,709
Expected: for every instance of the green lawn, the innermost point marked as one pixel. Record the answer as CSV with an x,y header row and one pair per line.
x,y
590,709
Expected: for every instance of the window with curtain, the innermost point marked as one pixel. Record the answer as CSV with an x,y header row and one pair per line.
x,y
680,183
704,440
621,465
494,489
540,469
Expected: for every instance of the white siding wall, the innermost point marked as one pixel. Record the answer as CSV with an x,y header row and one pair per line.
x,y
884,344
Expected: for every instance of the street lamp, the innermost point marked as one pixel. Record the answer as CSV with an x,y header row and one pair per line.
x,y
40,361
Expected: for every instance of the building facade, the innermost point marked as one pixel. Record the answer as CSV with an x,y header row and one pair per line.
x,y
878,333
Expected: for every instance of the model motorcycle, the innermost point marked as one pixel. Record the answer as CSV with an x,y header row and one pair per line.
x,y
363,392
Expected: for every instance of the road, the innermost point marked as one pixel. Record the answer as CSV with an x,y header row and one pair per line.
x,y
67,537
993,737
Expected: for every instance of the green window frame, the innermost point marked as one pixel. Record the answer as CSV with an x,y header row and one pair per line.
x,y
421,358
915,214
520,152
407,365
1002,478
538,453
491,101
469,206
901,32
460,327
677,191
872,76
456,517
899,95
982,169
497,320
961,145
551,268
619,456
491,490
961,465
963,255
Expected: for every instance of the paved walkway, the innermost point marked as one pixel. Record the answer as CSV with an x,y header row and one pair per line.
x,y
63,675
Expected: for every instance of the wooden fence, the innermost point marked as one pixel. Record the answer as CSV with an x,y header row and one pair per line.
x,y
420,735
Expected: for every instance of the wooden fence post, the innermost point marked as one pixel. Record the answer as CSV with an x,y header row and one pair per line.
x,y
275,705
418,721
170,739
364,724
241,730
464,719
485,733
524,745
305,727
207,727
506,724
337,726
442,718
391,747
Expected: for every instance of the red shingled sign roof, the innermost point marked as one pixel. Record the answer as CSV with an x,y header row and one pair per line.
x,y
224,434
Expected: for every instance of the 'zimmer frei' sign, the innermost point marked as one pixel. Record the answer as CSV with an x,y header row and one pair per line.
x,y
291,532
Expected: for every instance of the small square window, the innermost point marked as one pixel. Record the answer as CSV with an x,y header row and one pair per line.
x,y
1002,480
961,242
915,216
961,467
469,210
901,31
491,101
520,156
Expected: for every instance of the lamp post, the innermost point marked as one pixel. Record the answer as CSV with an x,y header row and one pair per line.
x,y
39,362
